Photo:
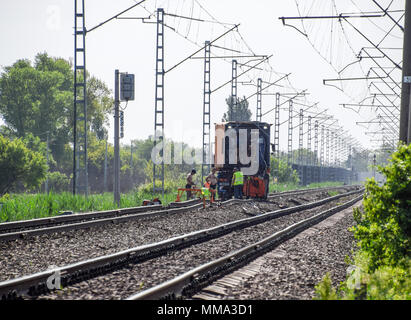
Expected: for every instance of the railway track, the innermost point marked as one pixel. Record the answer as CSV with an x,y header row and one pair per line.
x,y
222,273
33,254
117,267
35,227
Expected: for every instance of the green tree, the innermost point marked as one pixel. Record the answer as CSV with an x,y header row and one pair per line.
x,y
282,171
19,164
143,148
38,98
240,112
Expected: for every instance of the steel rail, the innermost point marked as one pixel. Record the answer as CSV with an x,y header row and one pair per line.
x,y
190,282
88,216
35,284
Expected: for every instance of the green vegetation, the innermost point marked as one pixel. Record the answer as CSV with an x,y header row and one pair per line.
x,y
238,112
15,207
324,290
19,164
36,102
31,206
283,171
383,234
37,98
333,193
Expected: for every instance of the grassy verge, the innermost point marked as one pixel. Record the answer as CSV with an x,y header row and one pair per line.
x,y
31,206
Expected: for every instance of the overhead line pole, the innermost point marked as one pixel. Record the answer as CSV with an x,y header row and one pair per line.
x,y
405,116
259,100
80,155
205,165
158,173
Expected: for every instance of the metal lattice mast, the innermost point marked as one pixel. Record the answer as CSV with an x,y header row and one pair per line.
x,y
335,149
316,143
335,145
158,170
300,138
309,137
80,164
290,133
277,126
234,86
339,155
205,167
322,152
328,147
331,161
259,112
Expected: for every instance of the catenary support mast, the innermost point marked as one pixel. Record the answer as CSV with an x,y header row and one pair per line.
x,y
158,169
205,167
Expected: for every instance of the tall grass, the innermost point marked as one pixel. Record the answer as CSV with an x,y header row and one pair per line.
x,y
16,207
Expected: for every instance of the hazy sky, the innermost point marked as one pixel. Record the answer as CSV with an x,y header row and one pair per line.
x,y
29,27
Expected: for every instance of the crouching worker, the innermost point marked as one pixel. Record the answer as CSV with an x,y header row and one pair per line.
x,y
238,181
190,183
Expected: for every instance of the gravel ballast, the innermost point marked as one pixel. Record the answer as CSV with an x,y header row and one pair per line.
x,y
127,281
292,270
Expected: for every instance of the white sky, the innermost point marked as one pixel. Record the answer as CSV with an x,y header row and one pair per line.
x,y
29,27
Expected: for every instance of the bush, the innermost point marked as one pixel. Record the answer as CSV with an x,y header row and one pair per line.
x,y
324,290
169,186
383,229
58,182
19,164
283,171
383,263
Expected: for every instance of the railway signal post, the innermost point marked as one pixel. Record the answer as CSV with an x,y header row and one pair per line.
x,y
123,91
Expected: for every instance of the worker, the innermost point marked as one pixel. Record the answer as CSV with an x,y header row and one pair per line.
x,y
238,181
190,183
212,180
